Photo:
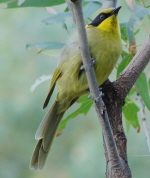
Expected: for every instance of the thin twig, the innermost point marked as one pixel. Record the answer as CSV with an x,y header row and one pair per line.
x,y
144,120
109,3
69,5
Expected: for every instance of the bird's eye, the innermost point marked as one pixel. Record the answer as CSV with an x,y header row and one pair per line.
x,y
102,17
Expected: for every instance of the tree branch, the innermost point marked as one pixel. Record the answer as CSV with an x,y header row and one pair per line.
x,y
114,96
112,152
69,5
109,3
131,73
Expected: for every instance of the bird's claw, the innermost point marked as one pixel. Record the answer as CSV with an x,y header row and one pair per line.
x,y
93,62
82,68
101,94
90,96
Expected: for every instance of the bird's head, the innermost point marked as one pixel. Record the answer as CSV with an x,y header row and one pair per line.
x,y
106,20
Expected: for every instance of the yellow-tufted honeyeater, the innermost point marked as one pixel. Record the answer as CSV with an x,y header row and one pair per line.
x,y
105,46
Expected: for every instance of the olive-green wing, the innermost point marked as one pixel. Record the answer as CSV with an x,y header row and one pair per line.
x,y
56,75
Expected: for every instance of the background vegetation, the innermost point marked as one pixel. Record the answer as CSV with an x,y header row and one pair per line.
x,y
78,152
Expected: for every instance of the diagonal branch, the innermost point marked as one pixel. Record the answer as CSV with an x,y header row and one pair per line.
x,y
131,73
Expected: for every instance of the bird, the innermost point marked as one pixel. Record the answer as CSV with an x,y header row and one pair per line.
x,y
104,41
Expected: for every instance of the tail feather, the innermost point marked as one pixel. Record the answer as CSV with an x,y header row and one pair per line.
x,y
45,134
49,117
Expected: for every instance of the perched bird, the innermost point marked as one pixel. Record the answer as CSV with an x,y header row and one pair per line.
x,y
105,46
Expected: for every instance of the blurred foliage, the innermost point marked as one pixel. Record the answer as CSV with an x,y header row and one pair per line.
x,y
143,89
79,151
130,110
83,109
46,45
32,3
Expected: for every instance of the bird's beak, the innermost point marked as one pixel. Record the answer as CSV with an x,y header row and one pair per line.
x,y
116,10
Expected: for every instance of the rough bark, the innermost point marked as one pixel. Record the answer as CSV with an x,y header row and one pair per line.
x,y
114,96
114,103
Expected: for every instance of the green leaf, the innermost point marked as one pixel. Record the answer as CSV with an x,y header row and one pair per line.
x,y
142,88
59,18
128,125
64,25
139,13
5,1
125,54
53,53
130,112
131,92
46,45
124,33
124,63
83,109
136,32
90,8
66,9
35,3
90,0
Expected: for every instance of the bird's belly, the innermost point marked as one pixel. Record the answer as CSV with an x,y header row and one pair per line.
x,y
73,85
104,65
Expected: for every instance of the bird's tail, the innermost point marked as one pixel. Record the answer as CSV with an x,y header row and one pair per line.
x,y
45,135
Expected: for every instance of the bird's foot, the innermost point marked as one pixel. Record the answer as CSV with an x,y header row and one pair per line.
x,y
101,94
90,96
82,68
93,62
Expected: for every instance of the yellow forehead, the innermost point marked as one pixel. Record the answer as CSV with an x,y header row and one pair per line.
x,y
107,10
